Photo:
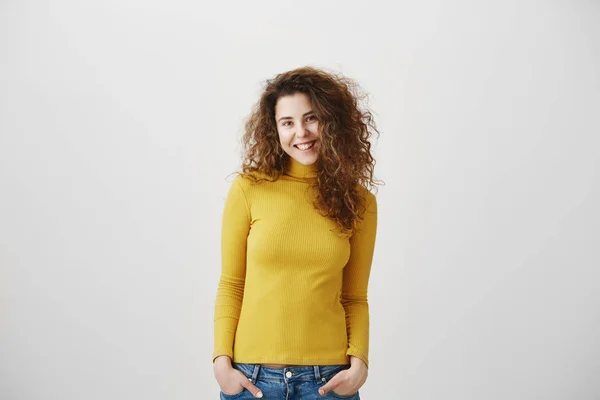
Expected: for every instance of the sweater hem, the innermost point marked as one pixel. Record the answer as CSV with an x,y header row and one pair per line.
x,y
292,360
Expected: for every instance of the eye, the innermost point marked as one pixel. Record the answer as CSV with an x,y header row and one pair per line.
x,y
312,116
286,122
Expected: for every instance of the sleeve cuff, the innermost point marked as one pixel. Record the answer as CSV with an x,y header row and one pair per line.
x,y
218,353
353,351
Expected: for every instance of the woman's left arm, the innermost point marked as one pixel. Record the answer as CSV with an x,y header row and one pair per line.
x,y
356,282
356,306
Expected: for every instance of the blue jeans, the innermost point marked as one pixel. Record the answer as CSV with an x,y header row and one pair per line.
x,y
289,383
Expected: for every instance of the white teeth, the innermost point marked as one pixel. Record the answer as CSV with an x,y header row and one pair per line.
x,y
305,146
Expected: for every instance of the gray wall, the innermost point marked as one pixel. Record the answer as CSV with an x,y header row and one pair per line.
x,y
120,120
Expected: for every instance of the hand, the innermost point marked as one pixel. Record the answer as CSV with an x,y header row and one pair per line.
x,y
348,381
230,380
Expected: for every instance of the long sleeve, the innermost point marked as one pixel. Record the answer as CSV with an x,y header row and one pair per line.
x,y
356,280
230,292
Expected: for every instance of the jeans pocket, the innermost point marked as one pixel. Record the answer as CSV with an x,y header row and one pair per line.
x,y
329,372
345,396
232,396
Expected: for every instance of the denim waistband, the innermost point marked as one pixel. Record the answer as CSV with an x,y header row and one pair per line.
x,y
318,373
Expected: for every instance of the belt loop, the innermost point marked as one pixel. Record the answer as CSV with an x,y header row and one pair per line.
x,y
255,373
317,373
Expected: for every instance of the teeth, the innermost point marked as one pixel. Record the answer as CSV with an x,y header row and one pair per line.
x,y
305,146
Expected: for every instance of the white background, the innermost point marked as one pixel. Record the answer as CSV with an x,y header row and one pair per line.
x,y
120,123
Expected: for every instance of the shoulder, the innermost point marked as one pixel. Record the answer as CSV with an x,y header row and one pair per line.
x,y
247,179
369,203
367,196
248,182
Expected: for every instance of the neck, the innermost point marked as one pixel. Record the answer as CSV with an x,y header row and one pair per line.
x,y
299,170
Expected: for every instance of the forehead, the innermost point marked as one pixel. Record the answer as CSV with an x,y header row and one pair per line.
x,y
291,105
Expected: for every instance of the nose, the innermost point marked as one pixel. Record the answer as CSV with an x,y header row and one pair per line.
x,y
302,130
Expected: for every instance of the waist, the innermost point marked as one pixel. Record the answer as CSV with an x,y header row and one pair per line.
x,y
287,374
279,365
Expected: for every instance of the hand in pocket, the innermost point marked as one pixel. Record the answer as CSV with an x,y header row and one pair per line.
x,y
231,381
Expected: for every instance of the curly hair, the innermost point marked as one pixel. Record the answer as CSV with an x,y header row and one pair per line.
x,y
345,165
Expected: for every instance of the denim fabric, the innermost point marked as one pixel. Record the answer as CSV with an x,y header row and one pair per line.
x,y
303,384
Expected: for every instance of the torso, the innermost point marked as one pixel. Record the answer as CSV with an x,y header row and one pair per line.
x,y
286,242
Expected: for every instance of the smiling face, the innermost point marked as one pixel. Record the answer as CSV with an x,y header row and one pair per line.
x,y
297,126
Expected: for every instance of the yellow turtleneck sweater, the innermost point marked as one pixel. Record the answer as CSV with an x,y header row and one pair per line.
x,y
292,291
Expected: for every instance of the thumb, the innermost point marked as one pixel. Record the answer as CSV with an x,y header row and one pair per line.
x,y
253,389
332,384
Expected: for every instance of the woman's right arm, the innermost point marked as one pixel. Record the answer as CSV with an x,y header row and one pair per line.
x,y
230,292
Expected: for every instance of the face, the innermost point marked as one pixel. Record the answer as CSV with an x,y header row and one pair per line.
x,y
297,126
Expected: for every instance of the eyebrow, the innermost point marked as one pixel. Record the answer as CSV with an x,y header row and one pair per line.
x,y
304,115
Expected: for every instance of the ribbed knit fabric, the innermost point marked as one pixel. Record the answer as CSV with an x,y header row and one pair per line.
x,y
292,289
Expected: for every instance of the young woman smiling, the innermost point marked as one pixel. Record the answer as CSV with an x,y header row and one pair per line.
x,y
297,242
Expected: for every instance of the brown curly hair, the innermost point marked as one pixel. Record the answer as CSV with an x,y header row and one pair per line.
x,y
345,164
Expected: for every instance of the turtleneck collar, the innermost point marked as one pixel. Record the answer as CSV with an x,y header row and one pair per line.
x,y
298,170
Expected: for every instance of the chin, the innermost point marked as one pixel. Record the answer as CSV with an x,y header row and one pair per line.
x,y
305,159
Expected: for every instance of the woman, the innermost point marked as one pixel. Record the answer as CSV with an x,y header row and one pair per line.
x,y
298,236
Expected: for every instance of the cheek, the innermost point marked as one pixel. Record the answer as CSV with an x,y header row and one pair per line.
x,y
284,138
315,129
